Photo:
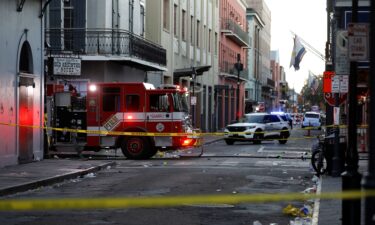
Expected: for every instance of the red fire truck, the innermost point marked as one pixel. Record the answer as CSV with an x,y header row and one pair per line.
x,y
122,115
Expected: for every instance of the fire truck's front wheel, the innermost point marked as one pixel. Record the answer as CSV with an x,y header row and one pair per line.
x,y
136,147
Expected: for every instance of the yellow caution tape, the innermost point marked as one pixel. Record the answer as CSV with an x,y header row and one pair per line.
x,y
169,201
153,134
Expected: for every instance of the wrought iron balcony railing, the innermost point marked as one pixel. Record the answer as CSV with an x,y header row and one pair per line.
x,y
271,83
105,42
268,84
228,67
235,32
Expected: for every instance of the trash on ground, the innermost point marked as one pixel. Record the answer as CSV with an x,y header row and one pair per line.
x,y
256,222
305,211
90,175
310,190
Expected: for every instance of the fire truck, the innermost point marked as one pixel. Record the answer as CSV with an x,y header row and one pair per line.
x,y
121,115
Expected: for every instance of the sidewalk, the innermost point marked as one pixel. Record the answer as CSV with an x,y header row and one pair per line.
x,y
23,177
330,212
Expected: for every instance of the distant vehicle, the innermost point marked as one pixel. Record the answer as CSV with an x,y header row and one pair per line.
x,y
315,108
261,107
296,118
312,119
257,127
286,117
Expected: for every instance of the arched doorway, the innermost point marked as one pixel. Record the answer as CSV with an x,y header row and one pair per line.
x,y
26,102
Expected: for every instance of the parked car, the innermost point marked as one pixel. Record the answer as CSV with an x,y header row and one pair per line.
x,y
257,127
312,119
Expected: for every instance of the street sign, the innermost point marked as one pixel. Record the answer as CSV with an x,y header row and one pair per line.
x,y
330,98
335,84
344,84
358,36
340,84
193,100
341,57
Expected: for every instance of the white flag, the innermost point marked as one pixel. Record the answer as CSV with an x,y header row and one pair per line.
x,y
298,53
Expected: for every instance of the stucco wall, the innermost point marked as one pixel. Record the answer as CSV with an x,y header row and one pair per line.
x,y
14,25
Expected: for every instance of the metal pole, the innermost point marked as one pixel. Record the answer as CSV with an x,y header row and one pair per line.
x,y
369,180
351,179
238,66
336,157
329,67
238,97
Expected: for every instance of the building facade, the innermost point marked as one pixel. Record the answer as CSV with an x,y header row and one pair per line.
x,y
107,37
189,31
276,76
21,76
234,42
342,11
259,18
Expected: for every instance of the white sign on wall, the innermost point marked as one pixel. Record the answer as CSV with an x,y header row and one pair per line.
x,y
67,66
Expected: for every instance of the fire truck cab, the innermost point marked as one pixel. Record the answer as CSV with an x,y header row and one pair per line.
x,y
136,117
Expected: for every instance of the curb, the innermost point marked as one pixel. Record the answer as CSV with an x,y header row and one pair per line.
x,y
51,180
315,217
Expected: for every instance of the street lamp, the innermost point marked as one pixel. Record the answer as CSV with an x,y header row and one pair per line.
x,y
239,66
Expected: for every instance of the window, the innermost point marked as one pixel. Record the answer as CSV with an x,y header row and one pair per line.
x,y
192,30
132,103
183,25
197,31
216,43
175,21
159,103
111,99
142,20
275,119
68,24
166,14
209,40
131,11
204,37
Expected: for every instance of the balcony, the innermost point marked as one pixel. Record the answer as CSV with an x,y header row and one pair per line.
x,y
228,68
270,84
233,31
106,42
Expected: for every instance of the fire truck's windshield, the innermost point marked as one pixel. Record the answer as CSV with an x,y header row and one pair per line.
x,y
180,102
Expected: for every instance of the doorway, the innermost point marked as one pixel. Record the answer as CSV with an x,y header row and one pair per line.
x,y
26,98
26,104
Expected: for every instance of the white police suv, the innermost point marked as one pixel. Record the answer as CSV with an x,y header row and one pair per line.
x,y
258,127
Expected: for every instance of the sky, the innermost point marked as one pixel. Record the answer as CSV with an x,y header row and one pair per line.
x,y
306,18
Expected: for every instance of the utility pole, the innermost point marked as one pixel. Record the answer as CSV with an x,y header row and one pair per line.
x,y
351,179
239,67
336,158
369,180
